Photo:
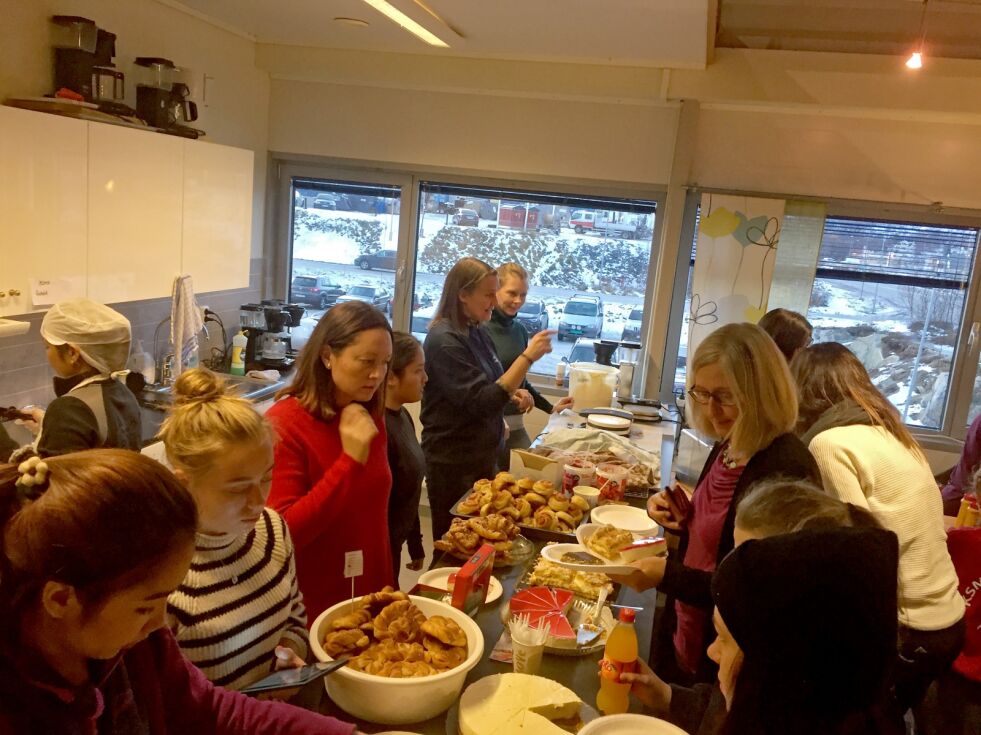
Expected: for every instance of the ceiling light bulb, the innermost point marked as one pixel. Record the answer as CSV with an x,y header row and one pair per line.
x,y
915,60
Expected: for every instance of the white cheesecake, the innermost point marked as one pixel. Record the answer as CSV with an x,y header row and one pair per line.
x,y
516,704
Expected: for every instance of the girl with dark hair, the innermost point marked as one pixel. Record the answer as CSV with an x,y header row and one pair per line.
x,y
93,543
406,379
867,457
791,331
463,404
331,478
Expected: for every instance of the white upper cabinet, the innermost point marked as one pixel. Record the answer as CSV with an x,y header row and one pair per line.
x,y
217,216
43,209
136,182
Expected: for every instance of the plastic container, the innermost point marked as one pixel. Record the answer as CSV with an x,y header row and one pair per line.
x,y
592,385
611,479
577,472
619,657
74,32
384,701
239,341
152,71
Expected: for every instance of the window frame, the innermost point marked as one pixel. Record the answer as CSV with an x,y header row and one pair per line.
x,y
409,178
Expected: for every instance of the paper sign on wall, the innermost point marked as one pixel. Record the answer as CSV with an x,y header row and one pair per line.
x,y
49,291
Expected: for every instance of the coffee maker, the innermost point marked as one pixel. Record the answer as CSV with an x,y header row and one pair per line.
x,y
268,328
83,59
161,100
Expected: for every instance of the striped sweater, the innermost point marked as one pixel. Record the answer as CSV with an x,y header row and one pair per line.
x,y
238,600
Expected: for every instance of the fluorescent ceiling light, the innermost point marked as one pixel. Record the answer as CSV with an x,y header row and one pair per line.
x,y
393,13
915,61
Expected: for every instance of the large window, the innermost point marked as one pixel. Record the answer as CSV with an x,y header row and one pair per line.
x,y
894,293
344,244
588,259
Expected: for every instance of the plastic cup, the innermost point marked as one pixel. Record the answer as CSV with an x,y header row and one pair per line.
x,y
527,658
588,493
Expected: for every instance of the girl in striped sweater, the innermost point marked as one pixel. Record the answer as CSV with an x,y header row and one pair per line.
x,y
238,614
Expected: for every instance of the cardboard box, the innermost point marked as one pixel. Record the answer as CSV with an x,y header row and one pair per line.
x,y
528,464
471,583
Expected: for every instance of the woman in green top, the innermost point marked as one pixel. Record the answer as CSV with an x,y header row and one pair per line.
x,y
510,339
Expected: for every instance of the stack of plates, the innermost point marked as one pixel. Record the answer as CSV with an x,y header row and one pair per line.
x,y
616,424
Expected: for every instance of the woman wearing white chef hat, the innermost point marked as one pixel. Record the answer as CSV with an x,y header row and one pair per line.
x,y
86,344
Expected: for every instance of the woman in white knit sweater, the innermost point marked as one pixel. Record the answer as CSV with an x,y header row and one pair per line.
x,y
238,615
868,457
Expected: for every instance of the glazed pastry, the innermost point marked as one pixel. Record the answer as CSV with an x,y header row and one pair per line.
x,y
579,502
445,630
400,621
355,619
544,488
558,502
378,600
442,656
545,518
502,499
535,499
340,642
565,518
526,484
524,508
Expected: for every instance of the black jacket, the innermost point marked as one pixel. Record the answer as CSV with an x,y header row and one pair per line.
x,y
510,339
462,404
408,468
785,457
104,413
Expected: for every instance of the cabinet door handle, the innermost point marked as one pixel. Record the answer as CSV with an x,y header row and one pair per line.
x,y
14,292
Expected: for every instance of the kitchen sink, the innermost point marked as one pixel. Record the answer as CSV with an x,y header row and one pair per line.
x,y
156,399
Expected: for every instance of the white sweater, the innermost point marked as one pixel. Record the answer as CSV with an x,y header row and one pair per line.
x,y
869,467
238,600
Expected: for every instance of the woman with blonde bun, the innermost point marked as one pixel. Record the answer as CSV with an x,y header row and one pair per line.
x,y
238,614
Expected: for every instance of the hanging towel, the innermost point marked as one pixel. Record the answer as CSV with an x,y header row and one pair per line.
x,y
185,322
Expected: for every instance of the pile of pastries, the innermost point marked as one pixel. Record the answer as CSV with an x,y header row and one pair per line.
x,y
386,635
525,501
466,535
583,584
642,476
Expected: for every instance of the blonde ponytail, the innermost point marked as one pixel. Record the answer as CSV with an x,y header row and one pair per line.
x,y
207,420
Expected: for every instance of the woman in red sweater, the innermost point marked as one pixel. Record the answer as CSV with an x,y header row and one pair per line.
x,y
331,478
92,544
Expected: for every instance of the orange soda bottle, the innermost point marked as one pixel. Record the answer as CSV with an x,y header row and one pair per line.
x,y
620,656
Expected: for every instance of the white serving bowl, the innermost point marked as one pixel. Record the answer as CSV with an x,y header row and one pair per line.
x,y
386,701
630,724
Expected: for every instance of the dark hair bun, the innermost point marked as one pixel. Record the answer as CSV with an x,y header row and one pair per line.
x,y
198,385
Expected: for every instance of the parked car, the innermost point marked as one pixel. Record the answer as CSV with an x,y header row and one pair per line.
x,y
631,330
381,259
534,316
317,291
374,295
325,200
466,217
582,351
582,317
420,322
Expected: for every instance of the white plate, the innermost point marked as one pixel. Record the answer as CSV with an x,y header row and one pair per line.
x,y
440,579
626,517
609,423
630,725
554,552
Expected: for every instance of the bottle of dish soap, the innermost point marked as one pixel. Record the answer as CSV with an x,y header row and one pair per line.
x,y
239,341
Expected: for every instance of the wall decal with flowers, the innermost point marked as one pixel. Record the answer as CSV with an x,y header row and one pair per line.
x,y
737,244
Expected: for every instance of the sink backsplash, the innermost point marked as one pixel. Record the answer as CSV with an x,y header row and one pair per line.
x,y
25,376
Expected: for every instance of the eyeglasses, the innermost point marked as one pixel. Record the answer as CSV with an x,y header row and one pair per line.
x,y
724,399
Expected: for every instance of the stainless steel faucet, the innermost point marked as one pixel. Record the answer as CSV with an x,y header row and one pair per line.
x,y
167,370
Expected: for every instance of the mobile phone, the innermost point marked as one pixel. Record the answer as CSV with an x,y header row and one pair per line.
x,y
293,678
678,504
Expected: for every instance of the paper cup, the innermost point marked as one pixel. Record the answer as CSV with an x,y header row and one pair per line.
x,y
588,493
527,659
580,472
611,480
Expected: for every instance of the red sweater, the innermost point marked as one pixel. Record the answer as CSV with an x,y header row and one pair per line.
x,y
331,504
149,690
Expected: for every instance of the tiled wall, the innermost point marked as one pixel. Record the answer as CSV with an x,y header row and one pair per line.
x,y
25,376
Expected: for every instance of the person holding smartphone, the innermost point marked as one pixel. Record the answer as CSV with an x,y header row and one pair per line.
x,y
238,614
742,396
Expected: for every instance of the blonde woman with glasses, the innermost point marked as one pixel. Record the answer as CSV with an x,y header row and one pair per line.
x,y
743,397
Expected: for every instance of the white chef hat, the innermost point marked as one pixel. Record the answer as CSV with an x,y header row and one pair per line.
x,y
100,334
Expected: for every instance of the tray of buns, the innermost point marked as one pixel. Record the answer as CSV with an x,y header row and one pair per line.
x,y
536,507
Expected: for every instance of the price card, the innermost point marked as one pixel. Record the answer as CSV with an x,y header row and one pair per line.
x,y
353,564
